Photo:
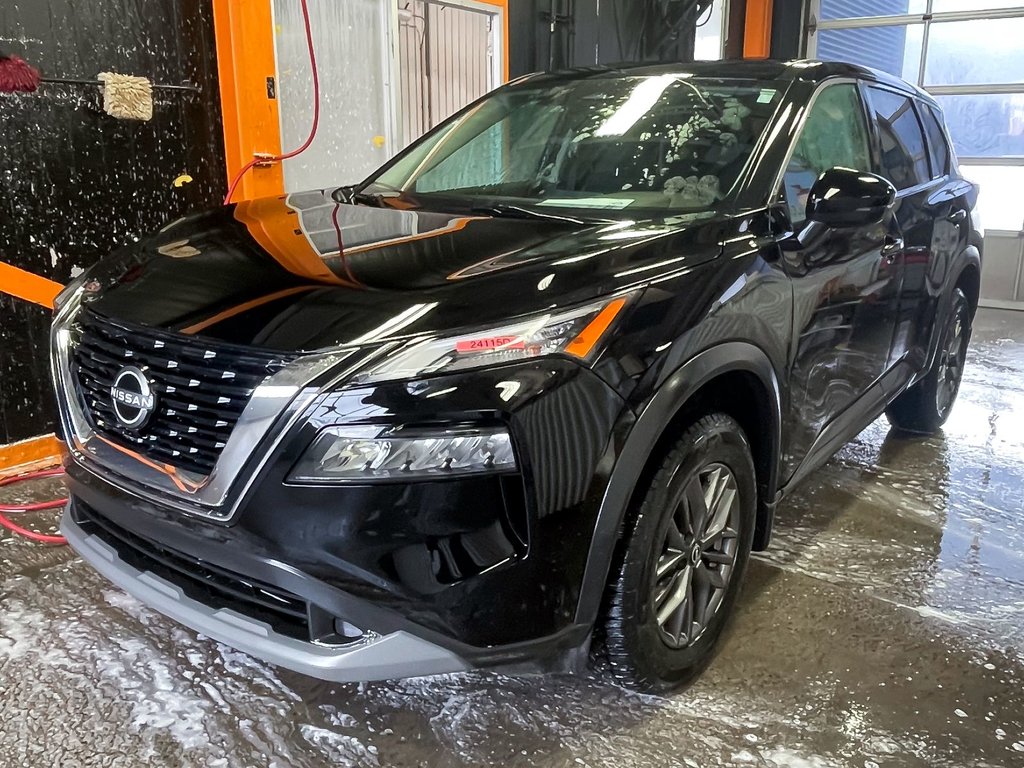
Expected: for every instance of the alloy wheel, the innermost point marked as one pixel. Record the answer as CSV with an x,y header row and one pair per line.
x,y
697,557
951,363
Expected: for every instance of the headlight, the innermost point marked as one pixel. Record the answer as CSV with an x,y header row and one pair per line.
x,y
575,333
364,453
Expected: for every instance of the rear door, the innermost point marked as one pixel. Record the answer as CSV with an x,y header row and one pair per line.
x,y
949,201
905,157
845,286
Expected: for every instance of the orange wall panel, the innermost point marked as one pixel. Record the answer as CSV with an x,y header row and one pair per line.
x,y
244,31
27,285
28,455
757,33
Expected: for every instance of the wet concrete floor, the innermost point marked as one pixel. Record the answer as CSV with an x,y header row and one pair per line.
x,y
885,627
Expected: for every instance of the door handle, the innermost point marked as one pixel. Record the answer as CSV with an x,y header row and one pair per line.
x,y
958,216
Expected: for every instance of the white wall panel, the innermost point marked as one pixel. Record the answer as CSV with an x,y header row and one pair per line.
x,y
350,38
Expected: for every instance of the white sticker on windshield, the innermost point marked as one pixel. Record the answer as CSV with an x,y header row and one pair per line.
x,y
587,202
766,95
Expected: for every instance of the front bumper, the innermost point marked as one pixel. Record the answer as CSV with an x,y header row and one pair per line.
x,y
439,576
372,657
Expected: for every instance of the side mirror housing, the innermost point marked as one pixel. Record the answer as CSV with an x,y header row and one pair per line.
x,y
842,197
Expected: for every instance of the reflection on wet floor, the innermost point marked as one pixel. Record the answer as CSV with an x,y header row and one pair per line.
x,y
884,627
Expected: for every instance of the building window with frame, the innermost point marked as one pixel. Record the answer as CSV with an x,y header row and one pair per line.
x,y
967,54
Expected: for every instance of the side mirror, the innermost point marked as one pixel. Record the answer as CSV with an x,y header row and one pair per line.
x,y
842,197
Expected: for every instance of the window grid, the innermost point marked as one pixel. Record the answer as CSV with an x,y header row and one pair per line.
x,y
926,20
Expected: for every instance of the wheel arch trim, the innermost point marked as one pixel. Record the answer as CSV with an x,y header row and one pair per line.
x,y
968,260
970,264
658,412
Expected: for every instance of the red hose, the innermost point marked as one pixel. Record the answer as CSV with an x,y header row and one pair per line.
x,y
5,522
316,114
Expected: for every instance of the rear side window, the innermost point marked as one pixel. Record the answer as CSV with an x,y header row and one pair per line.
x,y
834,134
904,152
938,147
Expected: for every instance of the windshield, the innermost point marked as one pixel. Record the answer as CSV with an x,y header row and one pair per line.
x,y
662,144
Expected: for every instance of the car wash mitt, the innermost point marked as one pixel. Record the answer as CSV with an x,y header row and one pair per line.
x,y
126,96
17,75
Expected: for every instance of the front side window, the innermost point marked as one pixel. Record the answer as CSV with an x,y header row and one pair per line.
x,y
904,153
660,144
835,134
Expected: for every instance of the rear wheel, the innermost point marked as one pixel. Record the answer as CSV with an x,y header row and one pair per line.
x,y
925,406
682,566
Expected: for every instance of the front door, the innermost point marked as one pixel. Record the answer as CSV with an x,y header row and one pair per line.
x,y
846,282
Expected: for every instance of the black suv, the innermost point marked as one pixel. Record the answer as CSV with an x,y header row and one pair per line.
x,y
542,378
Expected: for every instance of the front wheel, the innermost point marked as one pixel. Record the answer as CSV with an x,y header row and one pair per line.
x,y
925,406
683,563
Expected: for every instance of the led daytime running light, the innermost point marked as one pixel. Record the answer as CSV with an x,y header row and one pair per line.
x,y
353,454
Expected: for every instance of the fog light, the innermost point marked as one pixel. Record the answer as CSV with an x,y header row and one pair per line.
x,y
360,453
347,631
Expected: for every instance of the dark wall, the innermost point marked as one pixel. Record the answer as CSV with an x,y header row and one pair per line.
x,y
788,29
589,32
74,182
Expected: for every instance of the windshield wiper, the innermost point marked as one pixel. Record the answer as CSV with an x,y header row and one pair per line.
x,y
504,210
355,194
373,198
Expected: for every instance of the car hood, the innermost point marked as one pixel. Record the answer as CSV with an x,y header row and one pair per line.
x,y
302,272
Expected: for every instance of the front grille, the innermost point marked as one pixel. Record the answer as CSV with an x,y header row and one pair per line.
x,y
215,587
200,387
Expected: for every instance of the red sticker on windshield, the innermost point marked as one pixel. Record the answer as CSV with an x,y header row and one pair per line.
x,y
489,343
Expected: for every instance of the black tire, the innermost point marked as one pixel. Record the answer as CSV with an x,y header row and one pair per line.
x,y
924,407
642,652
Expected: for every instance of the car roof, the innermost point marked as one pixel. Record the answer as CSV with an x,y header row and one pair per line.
x,y
805,70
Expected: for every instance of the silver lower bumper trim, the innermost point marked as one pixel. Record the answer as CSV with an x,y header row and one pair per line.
x,y
377,657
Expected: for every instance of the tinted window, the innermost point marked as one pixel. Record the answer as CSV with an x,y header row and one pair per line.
x,y
904,153
658,144
938,149
835,134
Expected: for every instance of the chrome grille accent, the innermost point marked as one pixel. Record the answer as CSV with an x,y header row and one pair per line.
x,y
201,387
